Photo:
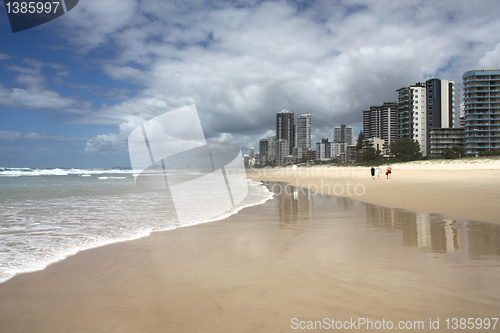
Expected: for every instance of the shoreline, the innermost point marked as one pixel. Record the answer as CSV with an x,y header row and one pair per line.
x,y
142,234
356,184
458,190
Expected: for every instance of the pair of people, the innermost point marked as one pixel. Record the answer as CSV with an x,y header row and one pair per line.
x,y
376,172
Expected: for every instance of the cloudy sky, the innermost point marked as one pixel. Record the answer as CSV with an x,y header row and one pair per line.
x,y
72,90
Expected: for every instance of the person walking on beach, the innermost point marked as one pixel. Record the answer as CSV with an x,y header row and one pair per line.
x,y
372,170
388,172
377,171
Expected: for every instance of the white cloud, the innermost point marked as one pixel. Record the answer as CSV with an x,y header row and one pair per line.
x,y
491,59
93,22
31,90
242,64
106,144
13,140
38,99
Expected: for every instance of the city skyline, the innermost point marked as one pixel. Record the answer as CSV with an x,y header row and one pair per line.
x,y
72,90
427,113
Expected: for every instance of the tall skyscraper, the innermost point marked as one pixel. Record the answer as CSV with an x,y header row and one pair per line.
x,y
304,131
412,115
272,150
381,121
482,110
263,151
443,103
343,134
285,128
282,151
443,114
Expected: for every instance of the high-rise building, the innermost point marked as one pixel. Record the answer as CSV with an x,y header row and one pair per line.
x,y
482,110
324,150
282,151
285,128
381,121
303,137
412,115
343,134
304,131
263,151
272,150
443,106
251,152
342,137
443,103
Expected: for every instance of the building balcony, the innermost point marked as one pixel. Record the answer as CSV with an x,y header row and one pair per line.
x,y
470,114
495,107
475,134
481,100
484,129
476,141
481,78
480,122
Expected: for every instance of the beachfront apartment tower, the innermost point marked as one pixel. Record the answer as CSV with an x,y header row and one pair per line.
x,y
443,103
303,137
271,150
482,110
285,128
381,121
343,134
263,151
443,116
412,115
251,152
282,151
324,150
304,131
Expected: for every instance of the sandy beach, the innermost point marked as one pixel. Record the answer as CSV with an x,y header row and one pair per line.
x,y
468,189
300,259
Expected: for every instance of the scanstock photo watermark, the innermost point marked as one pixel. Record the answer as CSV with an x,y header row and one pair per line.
x,y
367,324
340,189
336,181
201,180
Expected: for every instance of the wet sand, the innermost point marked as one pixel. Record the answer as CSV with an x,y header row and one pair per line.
x,y
297,258
468,190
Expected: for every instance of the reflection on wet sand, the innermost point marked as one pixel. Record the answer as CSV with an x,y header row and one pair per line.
x,y
435,233
295,205
430,232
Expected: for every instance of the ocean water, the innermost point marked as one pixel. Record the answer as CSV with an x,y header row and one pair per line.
x,y
47,215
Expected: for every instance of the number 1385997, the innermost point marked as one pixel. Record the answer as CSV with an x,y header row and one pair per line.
x,y
471,323
31,7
